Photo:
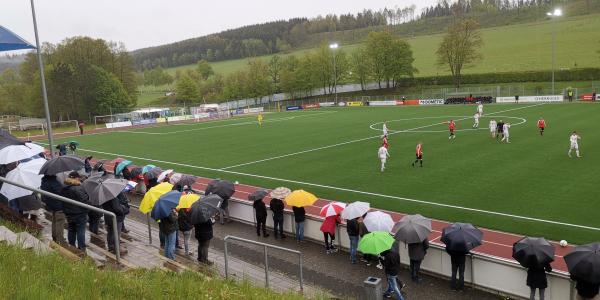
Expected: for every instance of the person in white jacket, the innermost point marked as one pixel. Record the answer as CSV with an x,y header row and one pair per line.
x,y
493,128
385,129
574,139
383,154
505,129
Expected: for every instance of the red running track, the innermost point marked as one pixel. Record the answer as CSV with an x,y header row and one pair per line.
x,y
495,243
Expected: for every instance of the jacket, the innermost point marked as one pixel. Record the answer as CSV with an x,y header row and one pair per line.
x,y
536,277
117,207
168,225
299,214
261,209
457,257
362,229
391,262
204,231
74,191
184,220
277,207
586,289
352,227
330,224
29,202
417,251
51,184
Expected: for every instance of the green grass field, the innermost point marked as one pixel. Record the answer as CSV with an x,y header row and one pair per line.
x,y
332,153
521,47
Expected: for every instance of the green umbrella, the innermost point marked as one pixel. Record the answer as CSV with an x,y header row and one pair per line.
x,y
76,143
375,242
147,168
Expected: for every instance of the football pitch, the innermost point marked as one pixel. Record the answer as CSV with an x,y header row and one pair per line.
x,y
529,186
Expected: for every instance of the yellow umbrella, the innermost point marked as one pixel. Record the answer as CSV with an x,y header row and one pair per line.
x,y
300,198
152,196
186,201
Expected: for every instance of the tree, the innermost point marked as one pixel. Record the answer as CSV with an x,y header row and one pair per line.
x,y
258,82
186,89
275,71
204,69
460,48
361,68
390,58
157,76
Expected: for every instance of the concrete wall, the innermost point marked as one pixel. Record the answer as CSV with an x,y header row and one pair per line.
x,y
485,272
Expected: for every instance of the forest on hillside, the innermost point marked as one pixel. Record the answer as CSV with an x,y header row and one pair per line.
x,y
284,35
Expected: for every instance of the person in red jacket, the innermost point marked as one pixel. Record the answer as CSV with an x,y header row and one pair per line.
x,y
419,152
541,125
328,228
451,127
385,142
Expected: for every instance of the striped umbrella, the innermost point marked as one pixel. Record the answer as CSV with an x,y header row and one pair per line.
x,y
332,209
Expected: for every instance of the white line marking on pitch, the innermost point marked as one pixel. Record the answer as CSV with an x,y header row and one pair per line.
x,y
362,139
350,190
232,124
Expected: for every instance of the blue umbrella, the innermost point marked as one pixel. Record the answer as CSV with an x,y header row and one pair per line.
x,y
162,208
10,41
121,166
147,168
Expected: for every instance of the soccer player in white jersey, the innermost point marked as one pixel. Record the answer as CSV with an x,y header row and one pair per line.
x,y
505,132
383,154
480,109
476,121
385,129
574,143
493,128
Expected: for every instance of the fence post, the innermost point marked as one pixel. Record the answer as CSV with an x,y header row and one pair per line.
x,y
226,262
149,229
266,268
301,273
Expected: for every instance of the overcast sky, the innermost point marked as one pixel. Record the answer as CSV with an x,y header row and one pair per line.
x,y
145,23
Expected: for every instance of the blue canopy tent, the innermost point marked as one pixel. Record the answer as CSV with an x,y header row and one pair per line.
x,y
9,41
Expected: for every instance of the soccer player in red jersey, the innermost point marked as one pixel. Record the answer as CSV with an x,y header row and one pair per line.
x,y
385,142
451,127
541,125
419,152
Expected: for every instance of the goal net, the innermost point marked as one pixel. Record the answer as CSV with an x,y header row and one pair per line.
x,y
210,111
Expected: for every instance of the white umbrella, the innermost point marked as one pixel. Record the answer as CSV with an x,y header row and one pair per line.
x,y
25,173
164,175
355,210
378,221
14,153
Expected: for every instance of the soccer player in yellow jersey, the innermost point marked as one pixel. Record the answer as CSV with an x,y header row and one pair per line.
x,y
259,118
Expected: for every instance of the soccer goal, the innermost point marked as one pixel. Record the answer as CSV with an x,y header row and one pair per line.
x,y
210,111
34,127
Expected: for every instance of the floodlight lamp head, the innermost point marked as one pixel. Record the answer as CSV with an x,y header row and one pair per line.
x,y
333,46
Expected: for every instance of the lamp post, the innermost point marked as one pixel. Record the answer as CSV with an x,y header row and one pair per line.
x,y
553,15
43,79
333,47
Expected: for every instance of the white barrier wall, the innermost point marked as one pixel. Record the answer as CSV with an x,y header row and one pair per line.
x,y
485,272
530,99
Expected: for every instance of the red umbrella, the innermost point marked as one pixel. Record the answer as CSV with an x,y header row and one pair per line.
x,y
332,209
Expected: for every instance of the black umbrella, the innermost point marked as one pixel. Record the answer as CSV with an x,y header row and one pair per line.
x,y
204,209
188,180
6,139
223,188
135,172
101,190
257,195
584,262
62,164
461,237
154,173
533,252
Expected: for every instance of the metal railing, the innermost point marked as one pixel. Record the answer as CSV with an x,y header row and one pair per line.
x,y
73,202
230,237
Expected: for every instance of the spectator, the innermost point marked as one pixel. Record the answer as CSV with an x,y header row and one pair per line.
x,y
204,233
76,215
261,217
585,289
87,165
62,149
416,253
353,230
224,211
81,124
391,266
185,226
94,222
73,147
277,207
536,279
115,206
168,228
457,259
299,217
51,184
328,228
362,230
29,206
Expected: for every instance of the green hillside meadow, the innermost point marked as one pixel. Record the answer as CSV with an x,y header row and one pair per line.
x,y
531,177
522,47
